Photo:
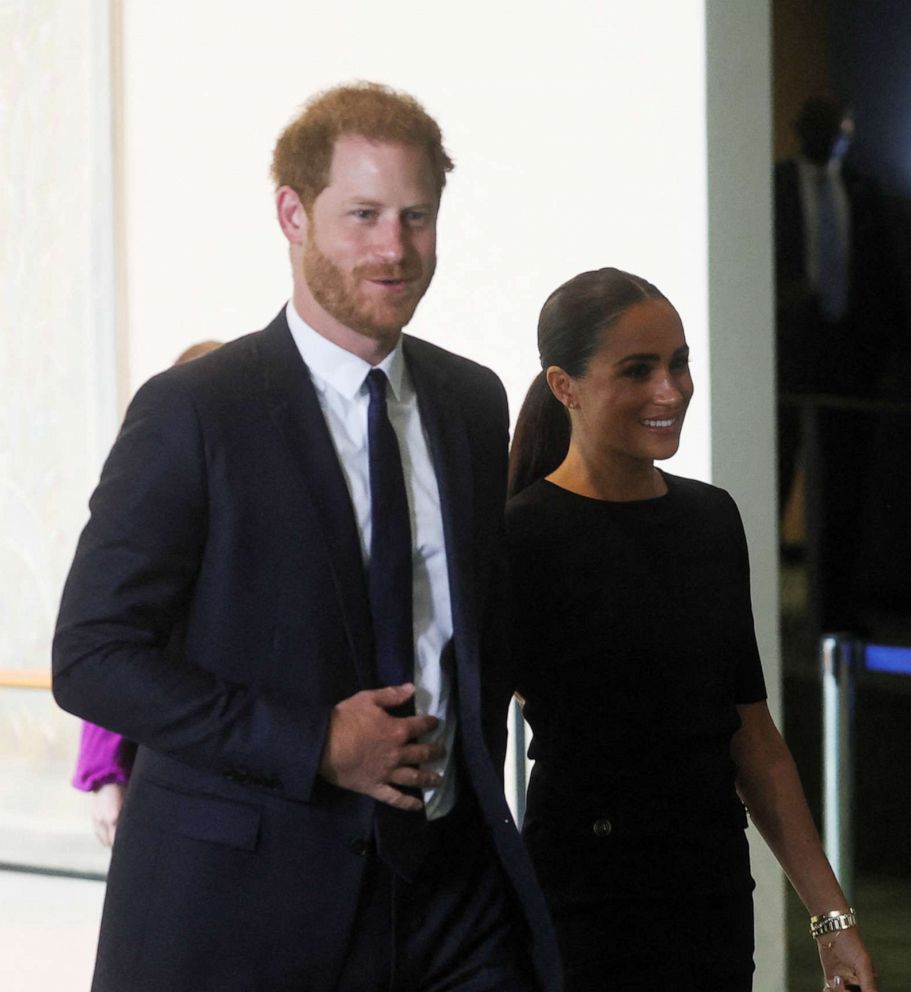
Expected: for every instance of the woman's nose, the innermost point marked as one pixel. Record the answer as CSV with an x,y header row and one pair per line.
x,y
667,389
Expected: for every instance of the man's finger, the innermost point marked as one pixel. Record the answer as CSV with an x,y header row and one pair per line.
x,y
392,695
417,726
421,754
415,778
400,800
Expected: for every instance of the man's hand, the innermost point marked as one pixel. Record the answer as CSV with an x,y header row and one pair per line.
x,y
369,751
106,804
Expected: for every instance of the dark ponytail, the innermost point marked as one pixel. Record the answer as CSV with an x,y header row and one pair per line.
x,y
570,327
541,437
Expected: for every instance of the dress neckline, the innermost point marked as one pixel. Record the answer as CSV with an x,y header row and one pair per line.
x,y
647,501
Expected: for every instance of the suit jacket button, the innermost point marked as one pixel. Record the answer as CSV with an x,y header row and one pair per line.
x,y
359,846
602,827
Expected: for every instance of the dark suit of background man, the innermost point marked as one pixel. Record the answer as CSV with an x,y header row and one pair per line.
x,y
290,823
837,325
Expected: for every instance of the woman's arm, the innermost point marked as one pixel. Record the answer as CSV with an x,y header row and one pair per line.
x,y
769,786
103,768
107,802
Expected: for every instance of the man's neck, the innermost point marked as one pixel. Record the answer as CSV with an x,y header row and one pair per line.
x,y
369,348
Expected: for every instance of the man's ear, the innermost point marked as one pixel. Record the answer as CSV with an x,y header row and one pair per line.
x,y
561,385
292,217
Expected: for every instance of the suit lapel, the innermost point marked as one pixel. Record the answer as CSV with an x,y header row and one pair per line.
x,y
295,410
447,436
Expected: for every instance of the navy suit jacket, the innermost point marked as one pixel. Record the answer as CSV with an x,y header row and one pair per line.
x,y
215,612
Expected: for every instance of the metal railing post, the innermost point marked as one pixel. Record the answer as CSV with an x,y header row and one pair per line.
x,y
519,760
837,662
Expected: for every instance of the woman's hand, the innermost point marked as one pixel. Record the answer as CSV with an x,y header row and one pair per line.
x,y
106,804
770,788
845,961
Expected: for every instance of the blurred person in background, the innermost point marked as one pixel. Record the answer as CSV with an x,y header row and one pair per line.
x,y
839,321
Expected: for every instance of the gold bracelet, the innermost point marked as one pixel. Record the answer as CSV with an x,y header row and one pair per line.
x,y
832,921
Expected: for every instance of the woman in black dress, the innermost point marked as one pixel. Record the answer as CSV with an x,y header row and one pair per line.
x,y
637,661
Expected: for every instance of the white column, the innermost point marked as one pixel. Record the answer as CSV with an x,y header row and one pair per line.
x,y
741,323
58,393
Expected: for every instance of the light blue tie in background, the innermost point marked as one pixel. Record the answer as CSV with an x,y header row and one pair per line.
x,y
833,275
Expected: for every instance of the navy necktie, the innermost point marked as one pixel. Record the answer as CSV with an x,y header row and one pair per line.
x,y
401,838
389,575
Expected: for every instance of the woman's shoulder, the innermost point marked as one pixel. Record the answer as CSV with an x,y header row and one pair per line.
x,y
529,509
697,491
530,499
696,498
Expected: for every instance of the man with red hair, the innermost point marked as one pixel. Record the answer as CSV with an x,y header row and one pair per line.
x,y
287,592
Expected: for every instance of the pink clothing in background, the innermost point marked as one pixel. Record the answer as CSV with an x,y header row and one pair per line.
x,y
103,757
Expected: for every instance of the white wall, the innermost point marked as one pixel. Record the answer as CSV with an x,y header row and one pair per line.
x,y
578,134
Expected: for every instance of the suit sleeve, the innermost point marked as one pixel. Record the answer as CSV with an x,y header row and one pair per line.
x,y
117,657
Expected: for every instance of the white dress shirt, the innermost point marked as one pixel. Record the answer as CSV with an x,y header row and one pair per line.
x,y
339,378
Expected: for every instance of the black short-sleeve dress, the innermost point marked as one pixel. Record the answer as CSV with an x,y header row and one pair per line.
x,y
634,644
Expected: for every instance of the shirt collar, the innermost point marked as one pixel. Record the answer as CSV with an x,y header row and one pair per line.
x,y
336,367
